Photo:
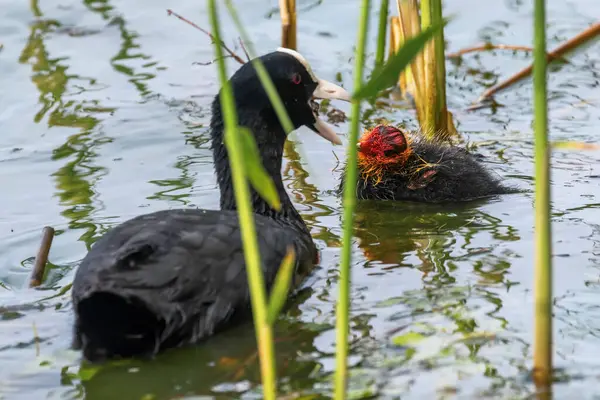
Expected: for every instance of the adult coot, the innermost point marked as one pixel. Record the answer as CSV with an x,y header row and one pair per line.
x,y
396,166
174,277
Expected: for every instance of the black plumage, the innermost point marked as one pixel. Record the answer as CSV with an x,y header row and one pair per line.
x,y
174,277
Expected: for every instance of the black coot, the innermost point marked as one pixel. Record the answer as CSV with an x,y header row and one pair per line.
x,y
396,166
174,277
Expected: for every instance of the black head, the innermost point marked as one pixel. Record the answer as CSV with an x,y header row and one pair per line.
x,y
296,84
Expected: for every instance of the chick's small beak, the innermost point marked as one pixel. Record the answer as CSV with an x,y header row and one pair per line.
x,y
328,90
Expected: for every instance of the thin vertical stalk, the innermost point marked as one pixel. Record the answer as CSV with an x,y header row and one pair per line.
x,y
542,353
264,334
440,67
415,77
349,201
395,36
287,10
425,79
381,33
429,123
396,41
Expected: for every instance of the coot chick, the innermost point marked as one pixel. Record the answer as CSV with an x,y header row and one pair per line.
x,y
396,166
174,277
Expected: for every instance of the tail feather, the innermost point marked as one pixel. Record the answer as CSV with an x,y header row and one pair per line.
x,y
110,325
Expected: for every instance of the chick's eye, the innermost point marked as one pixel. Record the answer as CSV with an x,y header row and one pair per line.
x,y
296,78
390,152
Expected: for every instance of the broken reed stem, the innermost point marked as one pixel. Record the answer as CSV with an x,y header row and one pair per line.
x,y
287,10
210,35
557,53
41,259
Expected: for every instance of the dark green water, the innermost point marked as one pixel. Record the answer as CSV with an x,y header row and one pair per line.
x,y
103,117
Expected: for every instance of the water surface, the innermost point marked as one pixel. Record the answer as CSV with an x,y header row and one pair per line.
x,y
104,116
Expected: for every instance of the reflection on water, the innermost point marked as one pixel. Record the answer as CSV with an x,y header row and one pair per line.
x,y
388,231
225,366
129,47
106,106
76,178
441,327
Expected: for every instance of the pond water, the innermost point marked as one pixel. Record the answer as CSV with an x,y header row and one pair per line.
x,y
104,116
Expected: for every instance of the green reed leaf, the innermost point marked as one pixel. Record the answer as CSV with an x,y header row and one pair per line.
x,y
255,171
281,287
387,75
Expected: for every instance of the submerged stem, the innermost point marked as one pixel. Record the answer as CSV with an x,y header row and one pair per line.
x,y
39,266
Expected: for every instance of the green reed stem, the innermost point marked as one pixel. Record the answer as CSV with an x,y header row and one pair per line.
x,y
440,64
343,303
542,353
429,90
434,71
264,334
382,32
263,75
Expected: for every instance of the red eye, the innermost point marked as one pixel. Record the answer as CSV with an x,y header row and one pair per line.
x,y
296,78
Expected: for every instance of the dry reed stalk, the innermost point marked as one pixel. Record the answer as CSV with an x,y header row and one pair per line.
x,y
487,47
39,266
210,35
287,10
423,80
557,53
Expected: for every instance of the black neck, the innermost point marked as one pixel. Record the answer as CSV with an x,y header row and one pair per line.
x,y
270,141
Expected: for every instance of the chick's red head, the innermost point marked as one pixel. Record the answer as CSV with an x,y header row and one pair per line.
x,y
383,142
382,148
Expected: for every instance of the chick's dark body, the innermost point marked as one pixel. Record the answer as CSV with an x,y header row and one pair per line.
x,y
433,173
